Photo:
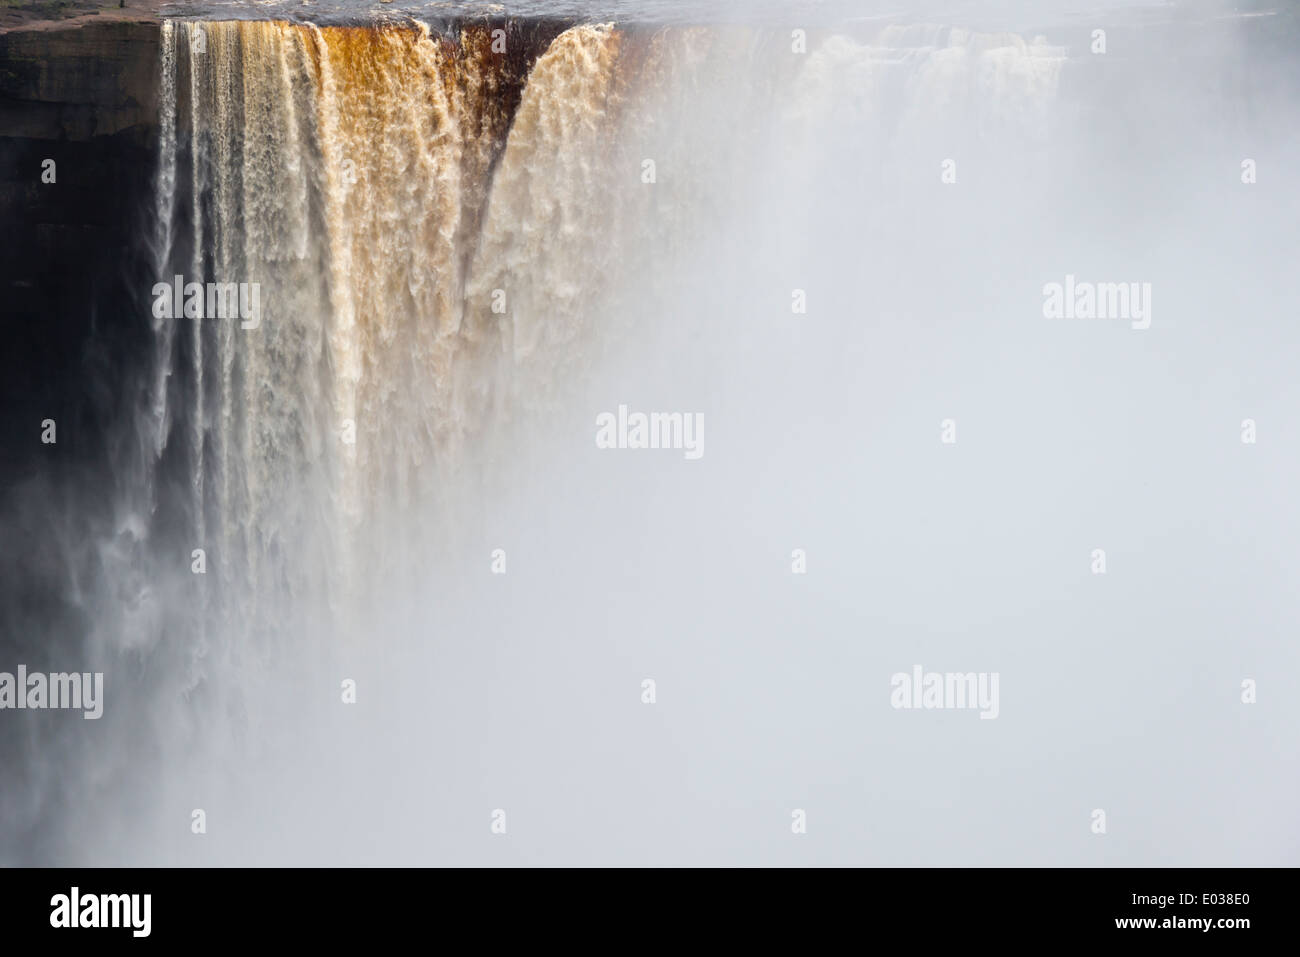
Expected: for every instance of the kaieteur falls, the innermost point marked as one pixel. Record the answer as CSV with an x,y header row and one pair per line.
x,y
360,568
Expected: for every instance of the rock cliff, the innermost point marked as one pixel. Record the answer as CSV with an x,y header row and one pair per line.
x,y
77,116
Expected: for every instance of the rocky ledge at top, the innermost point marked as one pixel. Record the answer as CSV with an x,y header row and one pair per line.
x,y
78,97
66,14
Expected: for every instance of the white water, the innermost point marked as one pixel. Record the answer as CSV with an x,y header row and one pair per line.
x,y
370,180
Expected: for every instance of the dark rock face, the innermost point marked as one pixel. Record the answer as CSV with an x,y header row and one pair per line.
x,y
89,79
73,275
84,97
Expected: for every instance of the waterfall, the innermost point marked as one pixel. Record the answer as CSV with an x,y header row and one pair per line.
x,y
445,237
453,243
364,178
694,433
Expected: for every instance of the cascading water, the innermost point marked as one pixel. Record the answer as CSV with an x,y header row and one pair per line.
x,y
456,242
372,182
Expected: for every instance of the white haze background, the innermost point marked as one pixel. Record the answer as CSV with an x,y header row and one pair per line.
x,y
778,172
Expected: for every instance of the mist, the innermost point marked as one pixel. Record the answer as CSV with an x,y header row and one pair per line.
x,y
437,623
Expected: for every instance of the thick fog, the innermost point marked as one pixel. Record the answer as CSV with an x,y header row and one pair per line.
x,y
439,623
